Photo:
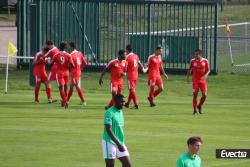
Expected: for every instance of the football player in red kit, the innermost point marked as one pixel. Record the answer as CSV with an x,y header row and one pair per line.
x,y
155,82
133,63
79,62
200,69
118,68
41,75
63,61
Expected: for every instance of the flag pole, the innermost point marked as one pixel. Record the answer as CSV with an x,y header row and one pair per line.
x,y
230,49
7,74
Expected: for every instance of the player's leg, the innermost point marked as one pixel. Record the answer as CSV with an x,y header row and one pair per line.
x,y
114,89
124,157
51,77
159,85
125,161
151,84
71,89
61,85
203,88
133,93
110,162
66,82
109,153
130,94
195,94
48,89
37,88
79,90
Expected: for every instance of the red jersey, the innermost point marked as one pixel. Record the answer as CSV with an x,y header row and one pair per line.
x,y
132,63
63,61
154,64
79,62
199,68
39,67
117,68
50,55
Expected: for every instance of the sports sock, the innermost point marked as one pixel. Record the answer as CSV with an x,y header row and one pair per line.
x,y
202,100
48,92
80,94
195,103
36,90
70,93
134,98
157,92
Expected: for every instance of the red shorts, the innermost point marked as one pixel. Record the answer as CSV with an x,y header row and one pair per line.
x,y
131,84
155,81
62,78
41,77
52,75
116,87
199,86
76,79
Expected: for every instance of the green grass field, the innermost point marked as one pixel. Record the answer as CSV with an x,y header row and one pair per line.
x,y
38,135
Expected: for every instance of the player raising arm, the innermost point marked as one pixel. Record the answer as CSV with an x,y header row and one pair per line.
x,y
79,62
41,75
199,67
117,67
155,69
133,63
64,62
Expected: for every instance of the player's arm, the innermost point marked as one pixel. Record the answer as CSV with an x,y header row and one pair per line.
x,y
102,74
163,72
207,71
112,136
179,163
84,62
144,70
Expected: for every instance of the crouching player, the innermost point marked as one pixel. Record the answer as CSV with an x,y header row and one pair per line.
x,y
199,67
41,75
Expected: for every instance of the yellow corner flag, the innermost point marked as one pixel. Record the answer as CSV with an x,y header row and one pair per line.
x,y
11,49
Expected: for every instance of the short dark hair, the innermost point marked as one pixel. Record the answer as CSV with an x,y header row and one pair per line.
x,y
63,45
158,47
193,140
198,50
45,49
118,97
121,52
129,47
49,42
72,45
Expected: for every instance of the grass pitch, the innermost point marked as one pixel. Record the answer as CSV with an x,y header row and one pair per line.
x,y
38,135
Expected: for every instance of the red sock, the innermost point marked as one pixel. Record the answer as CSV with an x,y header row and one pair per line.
x,y
36,90
62,94
66,93
157,92
48,92
202,100
70,93
151,95
129,97
134,98
80,94
195,103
